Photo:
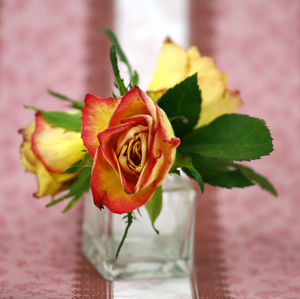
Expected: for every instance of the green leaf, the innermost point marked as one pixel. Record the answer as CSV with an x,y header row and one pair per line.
x,y
116,43
226,174
87,161
185,162
209,166
154,206
180,162
194,173
68,121
74,168
220,173
134,78
232,137
229,179
182,104
257,178
114,62
77,188
75,104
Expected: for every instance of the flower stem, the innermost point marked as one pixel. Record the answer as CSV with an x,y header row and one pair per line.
x,y
129,221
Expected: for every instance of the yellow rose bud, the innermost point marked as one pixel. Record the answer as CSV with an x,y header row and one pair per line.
x,y
176,64
47,152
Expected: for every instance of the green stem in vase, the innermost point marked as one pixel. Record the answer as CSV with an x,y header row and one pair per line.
x,y
129,221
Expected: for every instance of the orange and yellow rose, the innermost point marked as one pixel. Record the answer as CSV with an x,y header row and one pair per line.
x,y
176,64
47,152
133,145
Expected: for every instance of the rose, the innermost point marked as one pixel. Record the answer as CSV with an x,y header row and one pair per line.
x,y
47,152
133,145
175,64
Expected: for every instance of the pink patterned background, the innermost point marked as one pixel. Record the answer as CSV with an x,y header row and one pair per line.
x,y
52,44
257,42
44,44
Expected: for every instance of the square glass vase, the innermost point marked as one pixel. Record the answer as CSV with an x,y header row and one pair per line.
x,y
144,254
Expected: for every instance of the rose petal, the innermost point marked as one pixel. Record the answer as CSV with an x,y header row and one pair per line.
x,y
134,102
229,103
122,158
27,132
47,185
125,136
56,148
96,115
28,159
163,155
162,151
128,180
205,66
108,142
108,191
63,177
145,120
155,95
216,100
112,140
172,66
139,119
124,152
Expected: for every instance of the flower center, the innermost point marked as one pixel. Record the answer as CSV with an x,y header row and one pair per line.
x,y
133,154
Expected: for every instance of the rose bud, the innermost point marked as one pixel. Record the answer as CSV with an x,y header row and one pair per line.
x,y
47,152
176,64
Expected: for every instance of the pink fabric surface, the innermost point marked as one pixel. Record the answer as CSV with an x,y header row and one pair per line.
x,y
257,43
44,45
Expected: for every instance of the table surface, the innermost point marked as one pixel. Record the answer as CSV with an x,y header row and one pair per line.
x,y
53,44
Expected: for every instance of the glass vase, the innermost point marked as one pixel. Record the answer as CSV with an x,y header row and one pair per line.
x,y
144,254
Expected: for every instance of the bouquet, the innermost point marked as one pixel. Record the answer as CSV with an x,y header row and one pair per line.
x,y
123,147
